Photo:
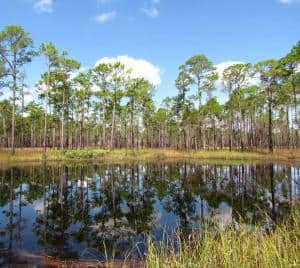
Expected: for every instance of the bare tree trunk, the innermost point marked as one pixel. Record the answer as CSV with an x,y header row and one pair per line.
x,y
13,124
31,136
203,136
132,124
287,127
22,116
230,133
5,131
104,128
242,132
46,114
270,123
113,123
54,138
62,136
81,142
296,118
240,123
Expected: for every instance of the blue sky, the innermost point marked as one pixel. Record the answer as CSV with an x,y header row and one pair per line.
x,y
162,32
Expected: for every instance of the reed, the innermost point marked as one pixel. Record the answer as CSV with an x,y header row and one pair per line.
x,y
232,248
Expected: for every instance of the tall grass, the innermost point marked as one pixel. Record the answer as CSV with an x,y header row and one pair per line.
x,y
145,154
232,248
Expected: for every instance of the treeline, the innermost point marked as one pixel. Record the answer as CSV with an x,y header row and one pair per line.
x,y
106,107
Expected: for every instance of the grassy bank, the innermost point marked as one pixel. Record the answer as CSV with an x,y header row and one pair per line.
x,y
30,155
232,248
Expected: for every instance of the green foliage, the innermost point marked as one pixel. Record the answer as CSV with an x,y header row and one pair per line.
x,y
161,156
15,41
107,106
83,154
212,108
201,72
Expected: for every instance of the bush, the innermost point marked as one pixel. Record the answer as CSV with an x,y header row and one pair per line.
x,y
161,156
83,154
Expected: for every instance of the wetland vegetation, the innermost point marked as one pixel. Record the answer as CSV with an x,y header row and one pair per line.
x,y
93,170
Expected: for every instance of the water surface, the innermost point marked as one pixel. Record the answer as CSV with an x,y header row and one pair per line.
x,y
87,211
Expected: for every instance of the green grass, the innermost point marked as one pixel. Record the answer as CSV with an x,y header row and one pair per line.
x,y
233,248
29,155
83,154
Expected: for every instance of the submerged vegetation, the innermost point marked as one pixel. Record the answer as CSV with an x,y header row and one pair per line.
x,y
244,247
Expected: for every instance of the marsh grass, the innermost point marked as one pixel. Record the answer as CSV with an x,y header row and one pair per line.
x,y
26,155
243,247
83,154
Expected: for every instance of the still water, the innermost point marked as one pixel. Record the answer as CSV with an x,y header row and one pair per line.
x,y
86,210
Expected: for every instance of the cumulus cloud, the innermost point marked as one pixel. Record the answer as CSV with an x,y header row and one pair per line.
x,y
220,70
151,12
105,17
221,95
28,96
82,69
140,68
103,1
43,6
223,65
286,2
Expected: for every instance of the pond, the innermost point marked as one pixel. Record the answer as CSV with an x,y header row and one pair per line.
x,y
82,211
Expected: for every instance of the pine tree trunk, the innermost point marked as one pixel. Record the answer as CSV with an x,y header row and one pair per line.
x,y
13,124
62,133
270,122
113,124
46,114
287,127
81,139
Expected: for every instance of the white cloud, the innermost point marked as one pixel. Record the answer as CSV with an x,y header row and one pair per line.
x,y
103,1
140,68
151,9
223,65
82,69
151,12
105,17
221,95
38,205
286,2
43,6
6,95
28,96
220,70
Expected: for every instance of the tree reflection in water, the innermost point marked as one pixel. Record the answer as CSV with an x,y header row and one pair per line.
x,y
62,210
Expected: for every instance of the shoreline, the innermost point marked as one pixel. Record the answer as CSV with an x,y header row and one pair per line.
x,y
29,155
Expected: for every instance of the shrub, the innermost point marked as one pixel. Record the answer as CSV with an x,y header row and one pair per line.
x,y
83,154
